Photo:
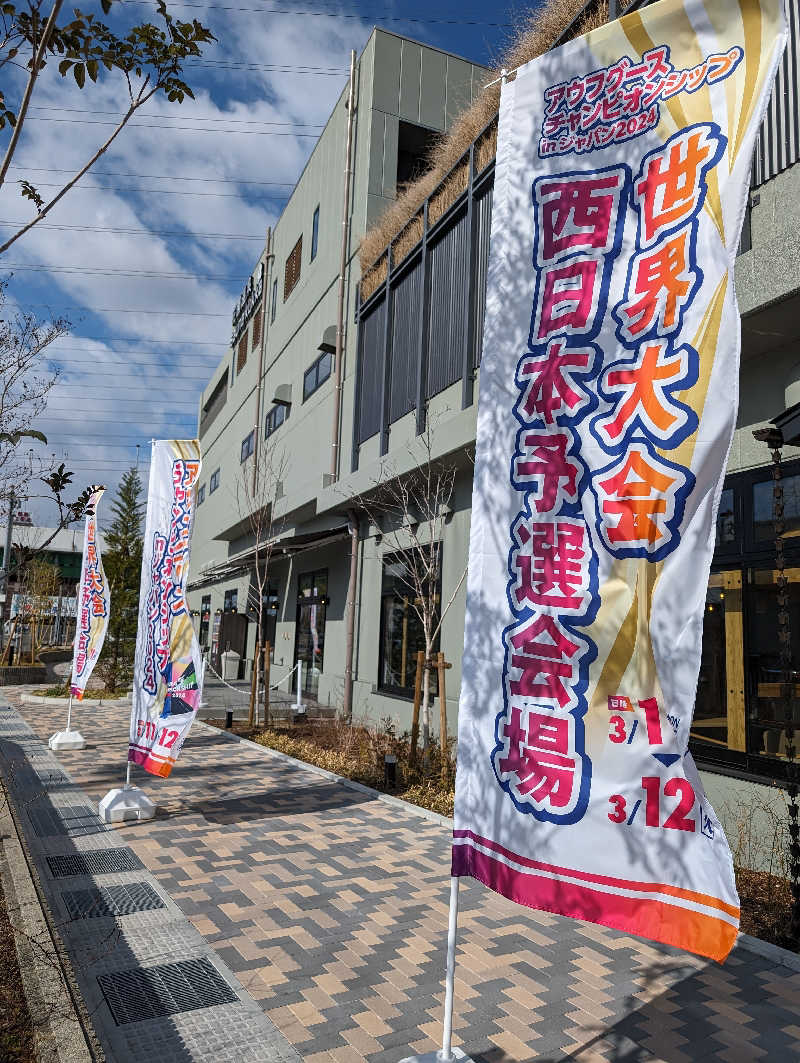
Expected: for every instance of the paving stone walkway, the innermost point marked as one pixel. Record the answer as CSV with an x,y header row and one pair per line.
x,y
331,909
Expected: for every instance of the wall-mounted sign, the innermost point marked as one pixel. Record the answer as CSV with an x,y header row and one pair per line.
x,y
248,301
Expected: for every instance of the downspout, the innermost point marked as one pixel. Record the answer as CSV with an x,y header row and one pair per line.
x,y
352,527
267,267
348,175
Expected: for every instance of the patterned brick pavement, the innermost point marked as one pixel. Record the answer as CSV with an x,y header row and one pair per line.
x,y
331,908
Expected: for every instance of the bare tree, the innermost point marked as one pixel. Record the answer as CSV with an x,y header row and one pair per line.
x,y
411,509
258,490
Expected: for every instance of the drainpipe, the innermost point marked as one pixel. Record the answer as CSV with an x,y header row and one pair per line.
x,y
347,707
348,175
267,268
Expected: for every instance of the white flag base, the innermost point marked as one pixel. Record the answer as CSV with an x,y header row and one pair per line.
x,y
437,1057
66,740
127,803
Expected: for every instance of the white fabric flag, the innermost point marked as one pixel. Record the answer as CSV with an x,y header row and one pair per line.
x,y
608,394
168,672
93,603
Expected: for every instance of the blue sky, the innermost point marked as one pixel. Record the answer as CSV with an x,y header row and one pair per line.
x,y
147,255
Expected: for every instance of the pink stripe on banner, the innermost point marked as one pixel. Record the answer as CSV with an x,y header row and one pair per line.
x,y
693,931
602,880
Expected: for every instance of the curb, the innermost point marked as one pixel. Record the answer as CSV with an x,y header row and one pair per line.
x,y
397,802
761,948
58,1030
88,703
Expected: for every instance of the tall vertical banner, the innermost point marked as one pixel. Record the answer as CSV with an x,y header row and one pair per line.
x,y
168,676
91,620
608,396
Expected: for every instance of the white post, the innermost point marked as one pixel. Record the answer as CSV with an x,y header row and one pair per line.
x,y
69,712
128,775
447,1052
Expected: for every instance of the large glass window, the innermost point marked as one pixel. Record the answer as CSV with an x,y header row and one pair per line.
x,y
205,617
762,507
726,519
402,635
231,600
312,602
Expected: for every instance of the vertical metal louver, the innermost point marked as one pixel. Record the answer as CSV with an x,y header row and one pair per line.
x,y
449,266
406,303
778,141
370,363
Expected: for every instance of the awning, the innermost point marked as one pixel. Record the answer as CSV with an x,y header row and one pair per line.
x,y
242,563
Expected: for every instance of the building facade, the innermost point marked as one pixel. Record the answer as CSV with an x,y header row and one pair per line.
x,y
411,381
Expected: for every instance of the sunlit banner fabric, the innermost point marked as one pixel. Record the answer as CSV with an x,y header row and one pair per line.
x,y
608,394
168,675
91,618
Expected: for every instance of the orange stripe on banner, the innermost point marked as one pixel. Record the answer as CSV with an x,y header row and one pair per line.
x,y
704,935
606,880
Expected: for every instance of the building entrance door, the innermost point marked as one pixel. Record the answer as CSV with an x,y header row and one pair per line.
x,y
309,646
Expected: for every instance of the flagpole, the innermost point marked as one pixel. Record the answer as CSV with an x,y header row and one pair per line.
x,y
452,931
69,711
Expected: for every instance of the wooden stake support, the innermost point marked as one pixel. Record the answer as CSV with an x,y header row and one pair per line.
x,y
441,667
412,753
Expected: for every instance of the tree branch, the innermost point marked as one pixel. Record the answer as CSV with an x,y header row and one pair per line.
x,y
26,99
139,102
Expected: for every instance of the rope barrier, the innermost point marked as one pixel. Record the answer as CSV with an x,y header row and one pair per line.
x,y
246,693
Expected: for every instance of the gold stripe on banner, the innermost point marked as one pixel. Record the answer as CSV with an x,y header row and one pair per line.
x,y
705,343
621,652
751,18
699,104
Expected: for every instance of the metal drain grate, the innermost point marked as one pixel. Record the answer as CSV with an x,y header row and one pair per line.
x,y
170,988
99,862
72,820
112,901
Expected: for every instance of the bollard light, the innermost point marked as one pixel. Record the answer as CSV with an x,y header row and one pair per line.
x,y
390,771
228,719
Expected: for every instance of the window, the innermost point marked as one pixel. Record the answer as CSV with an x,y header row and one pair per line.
x,y
316,374
401,634
414,146
291,274
256,330
205,616
740,715
213,483
314,234
762,507
241,354
275,418
231,600
248,445
216,401
309,645
201,494
274,308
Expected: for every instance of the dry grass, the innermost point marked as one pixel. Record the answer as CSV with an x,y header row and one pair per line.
x,y
536,33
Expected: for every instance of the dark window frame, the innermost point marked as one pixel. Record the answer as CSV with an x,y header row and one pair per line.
x,y
747,554
213,482
274,306
248,446
314,368
407,692
201,494
273,422
315,233
231,600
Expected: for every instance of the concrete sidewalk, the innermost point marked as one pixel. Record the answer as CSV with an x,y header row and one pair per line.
x,y
331,908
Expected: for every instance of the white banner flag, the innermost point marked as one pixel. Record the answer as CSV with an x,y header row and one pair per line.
x,y
92,605
608,393
168,675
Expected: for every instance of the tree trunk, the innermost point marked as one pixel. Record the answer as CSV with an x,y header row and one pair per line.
x,y
426,701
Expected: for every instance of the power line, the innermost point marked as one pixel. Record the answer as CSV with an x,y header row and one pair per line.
x,y
127,310
173,128
139,232
337,14
176,118
158,177
142,339
112,271
151,191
